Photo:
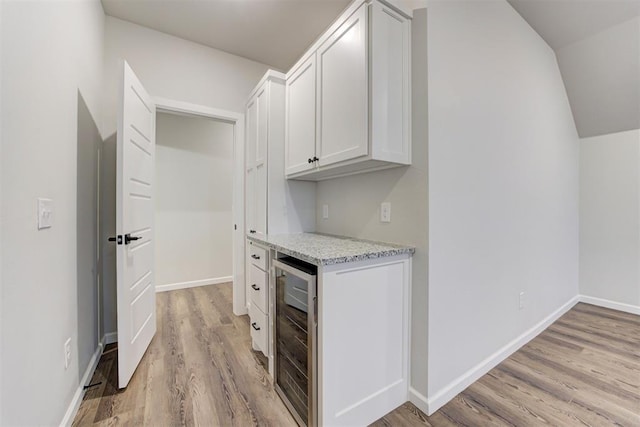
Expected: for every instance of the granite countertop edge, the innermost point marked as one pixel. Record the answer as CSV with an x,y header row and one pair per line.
x,y
390,249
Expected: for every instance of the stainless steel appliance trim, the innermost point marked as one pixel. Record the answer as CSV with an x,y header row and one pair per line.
x,y
312,327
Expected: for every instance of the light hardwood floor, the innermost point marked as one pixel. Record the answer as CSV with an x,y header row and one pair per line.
x,y
200,370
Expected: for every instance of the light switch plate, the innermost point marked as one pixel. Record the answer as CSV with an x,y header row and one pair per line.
x,y
325,211
45,213
385,212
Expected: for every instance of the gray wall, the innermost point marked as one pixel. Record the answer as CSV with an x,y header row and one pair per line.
x,y
50,52
88,293
610,218
503,187
354,203
193,218
107,229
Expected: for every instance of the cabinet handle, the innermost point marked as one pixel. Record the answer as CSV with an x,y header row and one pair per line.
x,y
254,256
257,328
255,288
252,231
310,160
315,159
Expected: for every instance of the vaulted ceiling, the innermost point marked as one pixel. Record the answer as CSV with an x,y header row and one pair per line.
x,y
597,42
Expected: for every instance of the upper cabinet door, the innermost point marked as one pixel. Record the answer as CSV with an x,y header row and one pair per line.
x,y
342,132
300,140
390,84
262,116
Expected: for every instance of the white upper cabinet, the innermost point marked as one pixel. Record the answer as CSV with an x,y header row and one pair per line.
x,y
342,92
301,117
391,84
349,97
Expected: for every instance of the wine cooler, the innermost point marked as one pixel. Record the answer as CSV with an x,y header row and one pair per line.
x,y
295,338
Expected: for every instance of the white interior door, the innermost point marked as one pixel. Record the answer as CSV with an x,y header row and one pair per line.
x,y
134,224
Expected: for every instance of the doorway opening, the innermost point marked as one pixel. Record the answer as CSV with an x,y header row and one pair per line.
x,y
174,151
193,201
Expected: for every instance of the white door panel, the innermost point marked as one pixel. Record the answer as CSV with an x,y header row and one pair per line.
x,y
343,92
301,118
260,200
252,117
262,129
134,217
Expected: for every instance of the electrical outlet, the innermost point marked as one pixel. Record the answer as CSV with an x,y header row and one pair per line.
x,y
67,353
325,211
521,301
385,212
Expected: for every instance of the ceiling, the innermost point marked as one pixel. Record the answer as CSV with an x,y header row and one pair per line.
x,y
272,32
562,22
597,45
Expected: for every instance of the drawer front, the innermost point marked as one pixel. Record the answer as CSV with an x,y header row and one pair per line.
x,y
258,256
259,288
259,329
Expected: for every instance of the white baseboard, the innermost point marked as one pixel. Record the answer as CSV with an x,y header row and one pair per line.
x,y
110,338
193,283
72,410
458,385
418,399
600,302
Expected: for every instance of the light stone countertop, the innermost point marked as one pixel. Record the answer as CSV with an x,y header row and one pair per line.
x,y
324,249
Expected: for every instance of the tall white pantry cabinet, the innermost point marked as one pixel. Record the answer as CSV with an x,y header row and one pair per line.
x,y
269,197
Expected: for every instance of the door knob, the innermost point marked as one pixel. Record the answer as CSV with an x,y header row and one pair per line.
x,y
128,238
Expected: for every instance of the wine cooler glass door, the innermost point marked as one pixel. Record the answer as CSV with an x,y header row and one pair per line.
x,y
295,336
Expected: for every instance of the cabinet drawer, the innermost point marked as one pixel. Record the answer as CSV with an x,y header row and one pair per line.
x,y
259,328
258,256
259,286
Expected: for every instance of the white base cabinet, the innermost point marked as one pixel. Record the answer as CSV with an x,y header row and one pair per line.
x,y
348,97
363,340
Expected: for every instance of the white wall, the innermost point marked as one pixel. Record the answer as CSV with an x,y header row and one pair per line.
x,y
610,218
172,68
194,170
601,76
354,204
50,51
503,187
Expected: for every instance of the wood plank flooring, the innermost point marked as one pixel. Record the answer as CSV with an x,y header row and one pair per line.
x,y
200,370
